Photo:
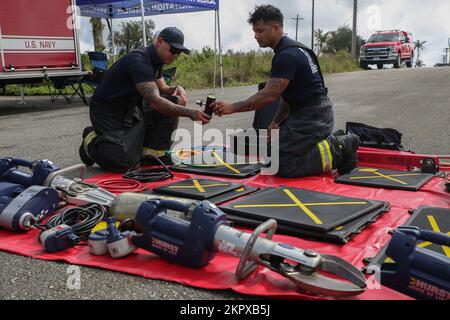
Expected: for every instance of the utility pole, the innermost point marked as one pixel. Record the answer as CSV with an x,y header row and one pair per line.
x,y
312,24
296,26
447,60
446,55
354,31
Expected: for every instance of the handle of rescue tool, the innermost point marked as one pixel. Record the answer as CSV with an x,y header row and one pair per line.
x,y
22,163
245,268
173,205
425,235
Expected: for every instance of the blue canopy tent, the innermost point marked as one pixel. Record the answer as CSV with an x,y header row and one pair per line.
x,y
119,9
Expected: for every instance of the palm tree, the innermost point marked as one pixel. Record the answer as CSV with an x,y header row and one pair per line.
x,y
97,33
321,39
419,45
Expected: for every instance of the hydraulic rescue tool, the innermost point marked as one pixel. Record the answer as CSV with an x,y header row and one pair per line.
x,y
417,272
45,173
21,208
193,236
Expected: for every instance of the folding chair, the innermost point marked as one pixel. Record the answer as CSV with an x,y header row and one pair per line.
x,y
169,73
99,63
58,88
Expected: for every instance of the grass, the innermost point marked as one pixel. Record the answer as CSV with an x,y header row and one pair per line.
x,y
196,71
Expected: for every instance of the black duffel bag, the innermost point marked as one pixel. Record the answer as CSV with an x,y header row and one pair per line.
x,y
378,138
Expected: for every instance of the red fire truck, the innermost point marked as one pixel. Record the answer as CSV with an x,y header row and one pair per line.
x,y
38,40
388,47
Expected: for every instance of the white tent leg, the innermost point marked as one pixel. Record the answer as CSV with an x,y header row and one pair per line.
x,y
215,52
144,36
112,39
220,52
22,95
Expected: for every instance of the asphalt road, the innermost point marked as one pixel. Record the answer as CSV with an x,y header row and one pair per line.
x,y
413,101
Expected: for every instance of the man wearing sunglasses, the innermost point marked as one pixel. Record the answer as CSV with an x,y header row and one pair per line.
x,y
133,111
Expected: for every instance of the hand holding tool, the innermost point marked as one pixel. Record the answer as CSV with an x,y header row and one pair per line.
x,y
208,105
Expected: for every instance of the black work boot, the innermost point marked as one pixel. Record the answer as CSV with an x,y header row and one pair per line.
x,y
347,146
84,156
339,133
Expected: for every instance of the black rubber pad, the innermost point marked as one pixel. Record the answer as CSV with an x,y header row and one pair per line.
x,y
339,235
231,195
199,189
425,218
237,171
228,196
219,164
299,208
389,179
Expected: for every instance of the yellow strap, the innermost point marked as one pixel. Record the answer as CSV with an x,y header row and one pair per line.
x,y
204,186
224,163
198,186
436,228
389,178
295,205
302,206
391,175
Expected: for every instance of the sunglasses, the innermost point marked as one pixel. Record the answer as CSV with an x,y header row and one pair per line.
x,y
175,51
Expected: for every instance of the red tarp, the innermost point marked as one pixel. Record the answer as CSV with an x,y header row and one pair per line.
x,y
219,274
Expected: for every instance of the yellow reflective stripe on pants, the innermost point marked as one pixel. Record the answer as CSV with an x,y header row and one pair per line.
x,y
330,155
91,136
153,152
325,154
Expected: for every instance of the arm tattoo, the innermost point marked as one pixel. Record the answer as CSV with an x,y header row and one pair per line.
x,y
273,90
163,87
150,93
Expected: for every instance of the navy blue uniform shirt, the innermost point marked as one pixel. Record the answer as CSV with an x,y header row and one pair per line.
x,y
119,83
297,65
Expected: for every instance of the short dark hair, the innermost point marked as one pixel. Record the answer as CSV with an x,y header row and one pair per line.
x,y
266,13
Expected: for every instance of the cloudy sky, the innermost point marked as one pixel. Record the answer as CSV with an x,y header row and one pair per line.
x,y
427,20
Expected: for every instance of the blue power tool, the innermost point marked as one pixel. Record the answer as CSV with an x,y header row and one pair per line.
x,y
190,244
192,234
45,173
9,171
21,208
417,272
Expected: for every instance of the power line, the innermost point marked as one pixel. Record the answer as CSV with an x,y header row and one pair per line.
x,y
312,24
354,29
